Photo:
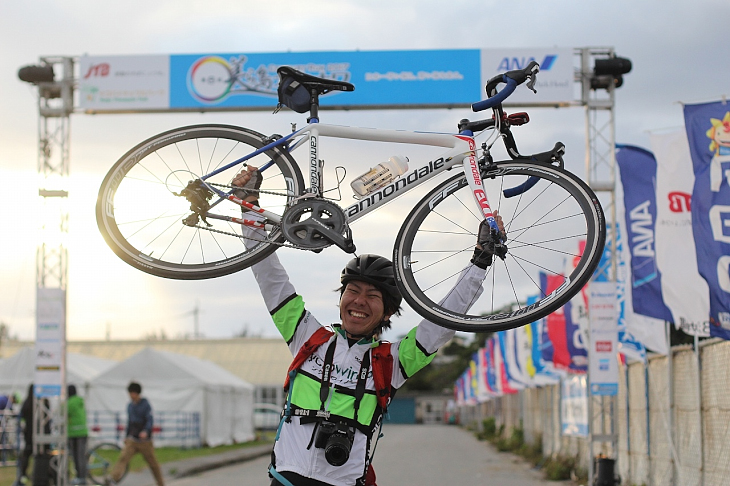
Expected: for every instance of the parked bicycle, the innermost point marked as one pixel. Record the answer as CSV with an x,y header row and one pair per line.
x,y
100,460
168,208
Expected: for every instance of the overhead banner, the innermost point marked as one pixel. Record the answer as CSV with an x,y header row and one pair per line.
x,y
382,79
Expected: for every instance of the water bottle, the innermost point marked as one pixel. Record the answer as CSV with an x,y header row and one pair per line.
x,y
380,175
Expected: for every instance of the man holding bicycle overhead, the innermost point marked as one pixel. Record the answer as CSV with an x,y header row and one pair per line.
x,y
340,382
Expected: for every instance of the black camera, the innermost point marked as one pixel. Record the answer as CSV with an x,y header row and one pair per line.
x,y
336,440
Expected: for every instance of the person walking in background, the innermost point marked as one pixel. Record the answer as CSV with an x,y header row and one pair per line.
x,y
26,414
138,436
77,433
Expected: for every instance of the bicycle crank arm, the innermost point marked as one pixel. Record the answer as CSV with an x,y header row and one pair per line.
x,y
342,241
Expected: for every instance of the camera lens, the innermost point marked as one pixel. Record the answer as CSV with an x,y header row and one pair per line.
x,y
337,451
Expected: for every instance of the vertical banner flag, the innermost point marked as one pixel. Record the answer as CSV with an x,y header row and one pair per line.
x,y
708,133
636,332
603,362
638,170
685,291
574,406
569,352
491,370
511,368
50,343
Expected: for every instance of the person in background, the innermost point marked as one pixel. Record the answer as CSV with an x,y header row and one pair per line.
x,y
26,414
7,401
138,437
77,433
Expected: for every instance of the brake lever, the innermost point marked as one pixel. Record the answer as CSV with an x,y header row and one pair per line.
x,y
531,83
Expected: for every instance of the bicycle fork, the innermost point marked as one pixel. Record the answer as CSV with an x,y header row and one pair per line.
x,y
472,171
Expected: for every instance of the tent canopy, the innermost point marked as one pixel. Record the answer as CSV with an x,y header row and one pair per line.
x,y
18,371
180,383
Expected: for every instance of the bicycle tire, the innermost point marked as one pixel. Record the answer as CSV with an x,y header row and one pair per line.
x,y
141,218
99,462
545,227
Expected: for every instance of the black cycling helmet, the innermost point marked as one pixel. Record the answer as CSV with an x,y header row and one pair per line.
x,y
375,270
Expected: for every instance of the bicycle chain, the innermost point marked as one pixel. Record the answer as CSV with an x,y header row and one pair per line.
x,y
283,244
259,191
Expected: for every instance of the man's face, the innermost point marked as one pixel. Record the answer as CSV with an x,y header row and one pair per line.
x,y
134,396
361,308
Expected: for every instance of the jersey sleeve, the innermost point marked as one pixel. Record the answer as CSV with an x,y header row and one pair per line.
x,y
286,307
418,348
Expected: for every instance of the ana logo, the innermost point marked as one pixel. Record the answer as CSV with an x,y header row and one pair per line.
x,y
97,70
512,63
679,202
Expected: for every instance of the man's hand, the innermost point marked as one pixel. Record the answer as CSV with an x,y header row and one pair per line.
x,y
485,231
249,181
489,243
143,434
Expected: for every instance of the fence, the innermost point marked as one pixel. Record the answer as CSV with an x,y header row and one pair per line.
x,y
179,429
671,417
176,429
9,437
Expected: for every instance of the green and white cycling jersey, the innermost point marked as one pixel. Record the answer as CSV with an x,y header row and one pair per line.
x,y
294,449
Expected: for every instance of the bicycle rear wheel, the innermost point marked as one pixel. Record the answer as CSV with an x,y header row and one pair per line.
x,y
140,216
555,237
100,460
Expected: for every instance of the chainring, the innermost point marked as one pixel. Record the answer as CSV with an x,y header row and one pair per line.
x,y
302,222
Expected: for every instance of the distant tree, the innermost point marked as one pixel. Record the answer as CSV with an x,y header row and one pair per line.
x,y
441,375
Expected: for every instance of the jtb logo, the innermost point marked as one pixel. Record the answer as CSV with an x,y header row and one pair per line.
x,y
679,202
511,64
97,70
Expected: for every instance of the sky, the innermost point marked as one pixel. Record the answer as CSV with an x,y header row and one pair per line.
x,y
675,49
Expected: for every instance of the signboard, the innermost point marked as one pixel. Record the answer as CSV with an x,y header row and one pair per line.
x,y
382,79
50,342
574,406
603,362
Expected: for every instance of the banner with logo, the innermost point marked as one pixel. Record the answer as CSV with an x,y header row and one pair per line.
x,y
568,348
512,369
636,332
50,342
638,170
382,79
574,406
683,289
708,133
540,371
504,385
491,377
603,354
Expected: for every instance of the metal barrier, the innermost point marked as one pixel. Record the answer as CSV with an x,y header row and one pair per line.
x,y
9,437
175,429
672,417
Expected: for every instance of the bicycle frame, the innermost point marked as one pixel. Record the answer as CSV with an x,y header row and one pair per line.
x,y
462,150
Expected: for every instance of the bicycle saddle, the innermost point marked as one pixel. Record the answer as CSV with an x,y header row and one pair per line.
x,y
321,85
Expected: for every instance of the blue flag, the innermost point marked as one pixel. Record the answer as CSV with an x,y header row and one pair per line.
x,y
708,133
638,169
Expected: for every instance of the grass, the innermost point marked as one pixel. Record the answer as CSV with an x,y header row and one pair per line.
x,y
164,455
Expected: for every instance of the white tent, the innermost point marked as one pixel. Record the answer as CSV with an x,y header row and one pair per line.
x,y
178,383
18,371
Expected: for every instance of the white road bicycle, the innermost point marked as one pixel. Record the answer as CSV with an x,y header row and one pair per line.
x,y
168,208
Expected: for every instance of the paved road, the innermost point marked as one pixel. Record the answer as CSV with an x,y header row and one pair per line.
x,y
417,455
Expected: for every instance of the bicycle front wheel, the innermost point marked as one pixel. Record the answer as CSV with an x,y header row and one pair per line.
x,y
141,216
556,231
100,461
